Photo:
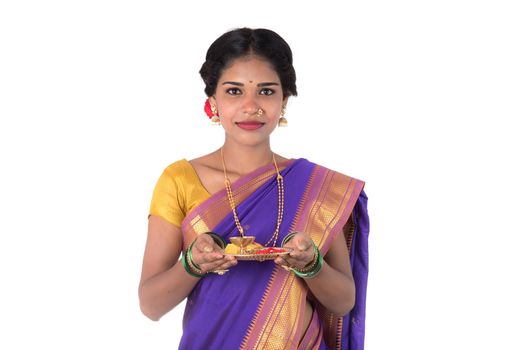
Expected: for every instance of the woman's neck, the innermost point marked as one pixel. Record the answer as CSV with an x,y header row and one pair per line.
x,y
241,160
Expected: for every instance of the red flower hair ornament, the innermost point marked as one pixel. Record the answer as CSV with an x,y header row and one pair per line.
x,y
207,109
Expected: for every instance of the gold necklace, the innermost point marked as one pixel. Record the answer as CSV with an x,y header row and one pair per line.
x,y
280,212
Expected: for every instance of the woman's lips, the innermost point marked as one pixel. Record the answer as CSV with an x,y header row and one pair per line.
x,y
250,125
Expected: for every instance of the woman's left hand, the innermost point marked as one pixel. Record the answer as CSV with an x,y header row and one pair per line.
x,y
302,255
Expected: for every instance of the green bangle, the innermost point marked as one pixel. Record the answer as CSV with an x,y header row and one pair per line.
x,y
190,257
190,266
216,238
312,264
288,238
314,269
221,242
186,266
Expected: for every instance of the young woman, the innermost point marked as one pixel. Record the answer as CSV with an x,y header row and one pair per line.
x,y
310,295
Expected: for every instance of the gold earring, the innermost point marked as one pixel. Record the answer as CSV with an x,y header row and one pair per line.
x,y
282,121
215,119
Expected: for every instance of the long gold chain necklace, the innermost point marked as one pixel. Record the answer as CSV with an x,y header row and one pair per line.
x,y
280,212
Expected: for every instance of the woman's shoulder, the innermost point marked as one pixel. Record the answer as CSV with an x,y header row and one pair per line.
x,y
177,168
181,172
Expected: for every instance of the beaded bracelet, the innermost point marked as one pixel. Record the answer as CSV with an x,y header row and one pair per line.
x,y
191,270
314,270
312,264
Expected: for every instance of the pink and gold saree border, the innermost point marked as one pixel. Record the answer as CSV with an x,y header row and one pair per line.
x,y
332,325
278,321
330,199
313,337
326,212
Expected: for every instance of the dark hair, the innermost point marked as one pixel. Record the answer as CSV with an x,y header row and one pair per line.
x,y
244,42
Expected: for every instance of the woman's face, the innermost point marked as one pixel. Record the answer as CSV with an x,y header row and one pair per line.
x,y
248,85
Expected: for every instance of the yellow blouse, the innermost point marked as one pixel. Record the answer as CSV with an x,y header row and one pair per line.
x,y
177,192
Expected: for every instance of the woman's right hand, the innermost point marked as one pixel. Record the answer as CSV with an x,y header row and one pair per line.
x,y
209,256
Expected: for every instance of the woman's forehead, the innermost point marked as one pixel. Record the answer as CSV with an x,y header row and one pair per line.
x,y
249,69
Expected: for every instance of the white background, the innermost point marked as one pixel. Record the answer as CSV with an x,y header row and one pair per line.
x,y
420,99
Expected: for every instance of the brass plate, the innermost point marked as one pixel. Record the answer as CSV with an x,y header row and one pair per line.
x,y
261,257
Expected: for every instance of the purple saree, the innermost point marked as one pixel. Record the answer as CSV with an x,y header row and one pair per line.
x,y
259,305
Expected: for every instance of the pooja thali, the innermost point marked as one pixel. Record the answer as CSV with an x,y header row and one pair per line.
x,y
269,253
245,248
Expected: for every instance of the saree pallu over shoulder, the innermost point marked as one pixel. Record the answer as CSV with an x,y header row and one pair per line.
x,y
259,305
338,203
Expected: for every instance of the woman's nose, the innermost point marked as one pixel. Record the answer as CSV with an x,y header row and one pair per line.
x,y
250,106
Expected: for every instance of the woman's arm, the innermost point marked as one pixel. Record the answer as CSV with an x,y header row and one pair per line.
x,y
333,286
164,282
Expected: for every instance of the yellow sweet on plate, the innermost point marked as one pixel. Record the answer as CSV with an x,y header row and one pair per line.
x,y
249,249
232,249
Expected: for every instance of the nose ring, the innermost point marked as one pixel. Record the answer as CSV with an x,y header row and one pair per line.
x,y
260,112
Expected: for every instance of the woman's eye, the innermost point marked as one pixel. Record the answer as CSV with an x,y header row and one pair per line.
x,y
267,92
233,91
